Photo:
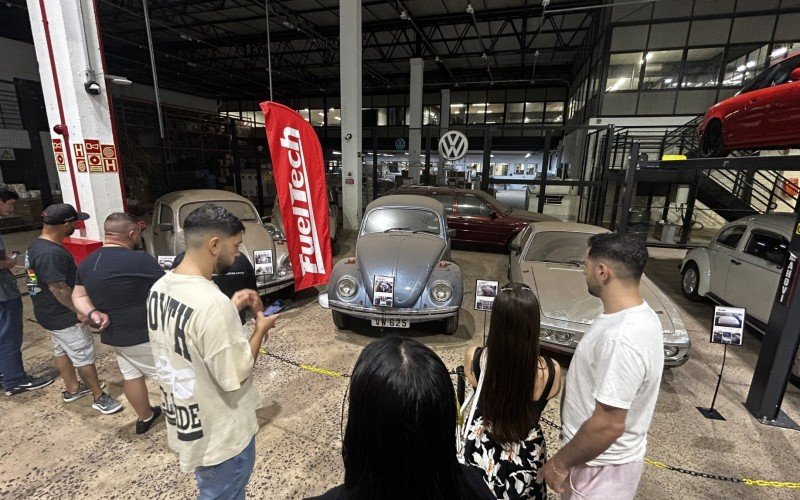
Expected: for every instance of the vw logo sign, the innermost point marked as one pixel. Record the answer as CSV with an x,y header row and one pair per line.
x,y
453,145
400,144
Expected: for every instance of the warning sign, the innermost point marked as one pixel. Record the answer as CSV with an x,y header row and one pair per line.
x,y
7,154
94,155
109,158
80,156
58,152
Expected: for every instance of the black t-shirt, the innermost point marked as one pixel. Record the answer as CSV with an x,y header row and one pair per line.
x,y
48,263
239,276
118,280
471,487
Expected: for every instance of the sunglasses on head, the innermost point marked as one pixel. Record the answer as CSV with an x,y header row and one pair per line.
x,y
522,287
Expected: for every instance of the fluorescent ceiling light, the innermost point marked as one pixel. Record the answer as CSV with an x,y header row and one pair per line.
x,y
456,105
649,56
668,80
337,153
527,155
779,52
741,68
751,64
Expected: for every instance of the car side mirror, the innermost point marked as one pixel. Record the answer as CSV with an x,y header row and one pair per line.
x,y
451,233
515,247
795,75
493,214
165,227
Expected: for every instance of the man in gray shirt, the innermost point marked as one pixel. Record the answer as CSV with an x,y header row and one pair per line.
x,y
12,372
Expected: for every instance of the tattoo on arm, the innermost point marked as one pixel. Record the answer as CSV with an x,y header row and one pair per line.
x,y
63,293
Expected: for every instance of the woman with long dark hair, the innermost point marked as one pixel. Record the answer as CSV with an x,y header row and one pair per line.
x,y
514,383
399,438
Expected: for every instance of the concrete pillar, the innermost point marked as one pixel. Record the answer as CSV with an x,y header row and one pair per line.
x,y
65,35
415,119
350,77
444,114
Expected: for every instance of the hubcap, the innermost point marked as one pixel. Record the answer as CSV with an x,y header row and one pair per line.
x,y
690,281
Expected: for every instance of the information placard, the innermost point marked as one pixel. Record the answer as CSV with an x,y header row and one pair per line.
x,y
165,261
263,262
383,291
485,293
728,325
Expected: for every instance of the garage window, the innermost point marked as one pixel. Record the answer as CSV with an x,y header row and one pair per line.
x,y
767,246
471,205
731,236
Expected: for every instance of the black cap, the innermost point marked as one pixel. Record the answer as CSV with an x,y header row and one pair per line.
x,y
61,213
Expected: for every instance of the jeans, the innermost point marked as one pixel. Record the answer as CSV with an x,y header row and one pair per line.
x,y
227,480
11,342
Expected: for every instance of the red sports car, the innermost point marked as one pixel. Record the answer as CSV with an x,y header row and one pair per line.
x,y
476,217
764,114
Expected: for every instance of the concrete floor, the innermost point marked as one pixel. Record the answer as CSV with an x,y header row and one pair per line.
x,y
50,449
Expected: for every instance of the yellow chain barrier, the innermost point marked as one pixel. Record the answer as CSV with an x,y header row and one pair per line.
x,y
772,484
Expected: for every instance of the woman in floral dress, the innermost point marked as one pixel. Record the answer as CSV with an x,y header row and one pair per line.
x,y
504,438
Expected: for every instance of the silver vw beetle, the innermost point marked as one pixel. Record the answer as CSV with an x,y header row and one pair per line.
x,y
548,257
163,238
402,273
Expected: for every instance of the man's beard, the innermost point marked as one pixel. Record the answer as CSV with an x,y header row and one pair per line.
x,y
594,289
222,267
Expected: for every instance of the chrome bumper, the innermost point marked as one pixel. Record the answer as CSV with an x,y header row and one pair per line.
x,y
671,362
414,316
274,286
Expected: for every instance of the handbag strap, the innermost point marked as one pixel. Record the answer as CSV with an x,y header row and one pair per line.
x,y
474,402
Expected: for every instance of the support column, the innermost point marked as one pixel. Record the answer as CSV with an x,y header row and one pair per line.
x,y
78,104
415,119
444,112
350,77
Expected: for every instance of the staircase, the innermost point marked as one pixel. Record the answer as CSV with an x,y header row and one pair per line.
x,y
732,194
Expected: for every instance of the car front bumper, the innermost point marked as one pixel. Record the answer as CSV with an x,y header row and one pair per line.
x,y
276,284
669,362
364,312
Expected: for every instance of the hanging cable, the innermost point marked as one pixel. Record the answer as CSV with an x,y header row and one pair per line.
x,y
269,50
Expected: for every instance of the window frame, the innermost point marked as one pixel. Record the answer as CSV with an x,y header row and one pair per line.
x,y
482,202
770,234
717,241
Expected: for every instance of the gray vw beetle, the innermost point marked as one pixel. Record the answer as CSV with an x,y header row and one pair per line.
x,y
401,273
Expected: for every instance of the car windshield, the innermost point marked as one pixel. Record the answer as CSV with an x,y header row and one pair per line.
x,y
244,211
385,220
558,246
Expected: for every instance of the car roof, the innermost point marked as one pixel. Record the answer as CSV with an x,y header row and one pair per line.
x,y
426,190
407,201
574,227
199,195
782,222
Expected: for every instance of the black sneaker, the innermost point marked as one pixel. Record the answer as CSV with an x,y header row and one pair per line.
x,y
29,383
144,426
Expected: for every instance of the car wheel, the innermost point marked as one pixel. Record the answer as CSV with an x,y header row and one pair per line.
x,y
690,282
451,325
340,320
711,143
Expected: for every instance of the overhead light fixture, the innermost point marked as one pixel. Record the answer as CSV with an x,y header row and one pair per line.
x,y
649,56
751,64
337,153
741,68
527,155
404,15
779,52
118,80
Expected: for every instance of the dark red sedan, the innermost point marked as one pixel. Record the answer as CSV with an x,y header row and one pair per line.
x,y
478,219
764,114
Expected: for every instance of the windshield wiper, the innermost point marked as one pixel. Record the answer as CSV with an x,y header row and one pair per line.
x,y
397,229
429,231
568,262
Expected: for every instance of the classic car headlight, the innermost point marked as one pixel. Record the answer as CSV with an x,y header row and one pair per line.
x,y
284,267
347,287
559,336
441,292
670,351
274,231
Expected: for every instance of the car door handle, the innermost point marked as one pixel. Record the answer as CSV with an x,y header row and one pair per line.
x,y
734,261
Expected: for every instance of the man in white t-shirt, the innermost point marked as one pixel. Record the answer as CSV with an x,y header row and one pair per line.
x,y
203,359
613,380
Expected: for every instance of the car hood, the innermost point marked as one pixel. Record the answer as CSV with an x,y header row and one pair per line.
x,y
409,258
256,238
563,296
528,216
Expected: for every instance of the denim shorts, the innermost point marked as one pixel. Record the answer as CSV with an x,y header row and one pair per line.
x,y
228,479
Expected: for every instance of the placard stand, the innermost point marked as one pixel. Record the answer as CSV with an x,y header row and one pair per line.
x,y
711,413
484,328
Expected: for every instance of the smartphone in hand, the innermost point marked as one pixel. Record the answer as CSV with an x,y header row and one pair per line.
x,y
274,308
14,255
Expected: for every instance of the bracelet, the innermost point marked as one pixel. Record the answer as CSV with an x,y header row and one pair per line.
x,y
562,474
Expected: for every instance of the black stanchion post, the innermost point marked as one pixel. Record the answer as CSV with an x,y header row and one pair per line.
x,y
712,413
484,328
779,346
461,387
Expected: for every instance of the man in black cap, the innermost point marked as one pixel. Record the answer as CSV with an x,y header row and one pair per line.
x,y
51,277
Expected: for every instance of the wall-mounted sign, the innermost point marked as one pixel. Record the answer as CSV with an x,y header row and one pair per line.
x,y
7,154
94,155
80,156
58,153
453,145
400,144
109,158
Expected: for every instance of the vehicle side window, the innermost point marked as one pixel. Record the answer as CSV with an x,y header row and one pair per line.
x,y
730,237
165,215
446,200
767,246
471,205
782,72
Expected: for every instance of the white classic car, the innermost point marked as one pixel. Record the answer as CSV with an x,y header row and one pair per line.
x,y
163,238
741,267
548,257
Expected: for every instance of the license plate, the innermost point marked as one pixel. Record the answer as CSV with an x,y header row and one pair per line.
x,y
390,322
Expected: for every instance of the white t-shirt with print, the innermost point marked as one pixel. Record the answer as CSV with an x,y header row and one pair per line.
x,y
203,363
618,362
